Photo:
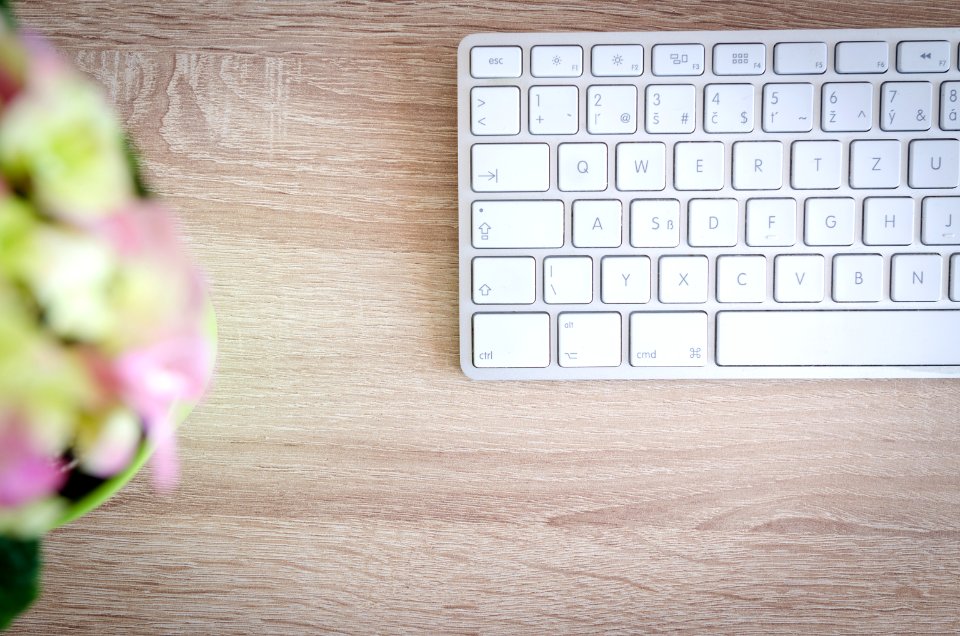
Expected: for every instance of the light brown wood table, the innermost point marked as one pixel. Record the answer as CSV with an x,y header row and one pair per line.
x,y
343,475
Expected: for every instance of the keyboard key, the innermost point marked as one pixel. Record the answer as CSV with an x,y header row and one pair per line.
x,y
798,278
641,166
741,279
923,57
504,281
655,223
757,165
495,110
698,165
858,278
668,339
670,108
940,221
829,221
556,61
728,108
568,279
554,110
816,165
800,58
612,110
788,107
739,59
683,279
950,105
955,277
771,222
875,164
712,222
589,339
582,167
597,224
617,60
906,105
495,61
822,338
510,167
862,57
847,107
517,224
625,279
888,221
678,59
915,277
934,163
511,340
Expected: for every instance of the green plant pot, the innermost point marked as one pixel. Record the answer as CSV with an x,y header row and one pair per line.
x,y
99,495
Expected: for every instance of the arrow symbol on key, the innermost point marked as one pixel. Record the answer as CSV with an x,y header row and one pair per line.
x,y
491,175
485,289
926,56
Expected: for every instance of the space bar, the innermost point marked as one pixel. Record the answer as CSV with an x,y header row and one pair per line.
x,y
838,338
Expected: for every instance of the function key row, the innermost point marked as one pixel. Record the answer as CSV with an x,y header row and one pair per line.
x,y
729,59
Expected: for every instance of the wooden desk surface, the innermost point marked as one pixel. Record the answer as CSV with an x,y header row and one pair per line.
x,y
343,475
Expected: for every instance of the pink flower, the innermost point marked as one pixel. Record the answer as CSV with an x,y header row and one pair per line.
x,y
26,473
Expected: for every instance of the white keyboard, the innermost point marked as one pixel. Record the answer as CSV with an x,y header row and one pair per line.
x,y
737,204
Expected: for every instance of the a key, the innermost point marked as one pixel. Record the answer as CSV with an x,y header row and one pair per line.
x,y
798,278
625,279
858,278
800,58
822,338
556,61
641,166
698,165
728,108
611,109
862,57
655,223
816,165
674,339
498,224
875,164
940,221
915,277
510,167
829,221
906,105
495,110
847,107
888,221
934,163
757,165
617,60
596,223
670,108
712,222
568,279
589,339
683,279
741,279
678,59
511,340
771,222
582,167
553,110
788,107
504,281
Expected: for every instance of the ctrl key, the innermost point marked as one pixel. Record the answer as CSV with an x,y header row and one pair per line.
x,y
511,340
668,339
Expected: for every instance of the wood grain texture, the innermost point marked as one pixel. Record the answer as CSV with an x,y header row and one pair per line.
x,y
343,475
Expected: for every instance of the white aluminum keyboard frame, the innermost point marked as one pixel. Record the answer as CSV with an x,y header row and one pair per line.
x,y
708,38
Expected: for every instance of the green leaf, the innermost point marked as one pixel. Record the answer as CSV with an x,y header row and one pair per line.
x,y
6,15
19,576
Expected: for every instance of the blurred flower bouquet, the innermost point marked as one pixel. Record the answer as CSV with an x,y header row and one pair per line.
x,y
102,316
